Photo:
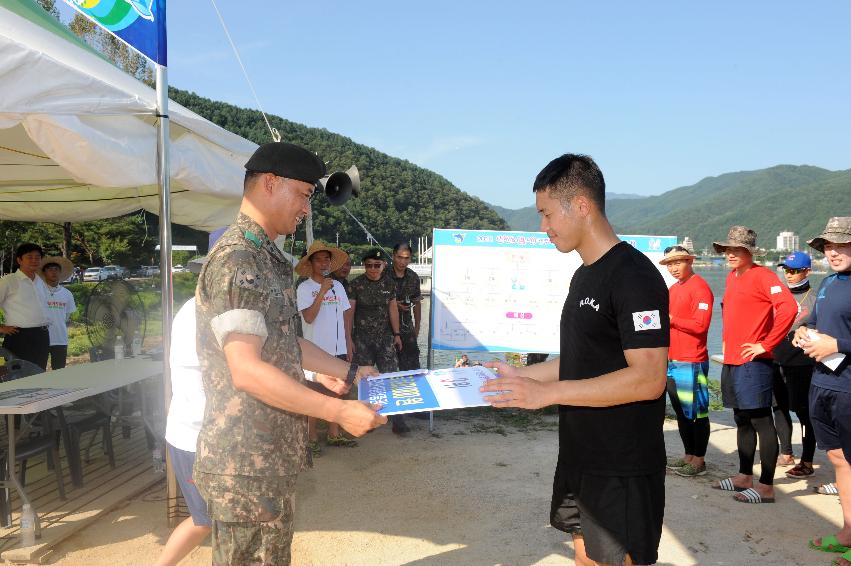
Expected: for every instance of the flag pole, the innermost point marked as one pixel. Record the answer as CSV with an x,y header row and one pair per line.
x,y
163,169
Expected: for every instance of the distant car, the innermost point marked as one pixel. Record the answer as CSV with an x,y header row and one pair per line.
x,y
93,275
150,270
112,272
178,269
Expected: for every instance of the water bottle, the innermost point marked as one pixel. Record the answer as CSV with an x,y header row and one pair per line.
x,y
158,463
119,347
137,345
27,525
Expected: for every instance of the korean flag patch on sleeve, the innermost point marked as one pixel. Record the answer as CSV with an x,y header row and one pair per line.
x,y
646,320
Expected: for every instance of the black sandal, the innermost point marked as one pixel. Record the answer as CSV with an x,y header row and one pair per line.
x,y
802,470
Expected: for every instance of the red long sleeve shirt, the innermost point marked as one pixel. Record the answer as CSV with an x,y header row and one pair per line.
x,y
690,305
756,307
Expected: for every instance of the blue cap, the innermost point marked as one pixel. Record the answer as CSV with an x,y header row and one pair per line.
x,y
797,260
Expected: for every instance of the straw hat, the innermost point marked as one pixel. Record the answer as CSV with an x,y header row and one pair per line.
x,y
338,258
837,231
739,237
676,253
66,268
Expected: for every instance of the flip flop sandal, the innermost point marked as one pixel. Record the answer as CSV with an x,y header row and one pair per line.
x,y
827,489
727,485
829,544
800,471
752,496
846,556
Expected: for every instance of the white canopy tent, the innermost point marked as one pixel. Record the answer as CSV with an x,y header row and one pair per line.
x,y
78,136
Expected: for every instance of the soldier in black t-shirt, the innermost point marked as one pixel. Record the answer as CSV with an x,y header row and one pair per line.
x,y
609,382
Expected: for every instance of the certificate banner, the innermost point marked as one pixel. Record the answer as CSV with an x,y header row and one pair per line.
x,y
501,291
423,390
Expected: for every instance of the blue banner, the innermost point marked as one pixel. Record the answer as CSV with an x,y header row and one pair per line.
x,y
534,240
138,23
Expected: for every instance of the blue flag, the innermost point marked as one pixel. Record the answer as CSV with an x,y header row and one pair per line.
x,y
138,23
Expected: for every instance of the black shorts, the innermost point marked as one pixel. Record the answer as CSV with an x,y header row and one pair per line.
x,y
830,414
616,515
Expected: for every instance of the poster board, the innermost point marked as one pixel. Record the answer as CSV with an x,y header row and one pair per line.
x,y
414,391
504,291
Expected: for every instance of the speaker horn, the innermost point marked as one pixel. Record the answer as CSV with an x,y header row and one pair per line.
x,y
340,186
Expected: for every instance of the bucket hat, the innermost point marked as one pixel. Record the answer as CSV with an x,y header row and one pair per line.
x,y
739,237
837,231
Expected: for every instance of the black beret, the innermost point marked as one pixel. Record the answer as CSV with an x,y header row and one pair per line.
x,y
375,253
287,160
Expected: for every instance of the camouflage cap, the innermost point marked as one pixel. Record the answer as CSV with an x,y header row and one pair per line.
x,y
837,231
375,253
739,237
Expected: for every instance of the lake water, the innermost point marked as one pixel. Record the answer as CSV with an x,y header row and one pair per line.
x,y
714,276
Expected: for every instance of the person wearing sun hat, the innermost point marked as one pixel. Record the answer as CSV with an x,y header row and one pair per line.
x,y
826,337
757,312
324,307
690,310
793,371
60,306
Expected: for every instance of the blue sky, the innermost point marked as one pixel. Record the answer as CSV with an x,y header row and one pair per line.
x,y
661,94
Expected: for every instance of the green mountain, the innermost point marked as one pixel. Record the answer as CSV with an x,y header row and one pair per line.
x,y
799,198
398,202
526,218
785,197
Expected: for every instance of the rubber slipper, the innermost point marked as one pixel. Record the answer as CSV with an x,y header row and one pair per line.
x,y
727,485
827,489
752,496
829,544
846,556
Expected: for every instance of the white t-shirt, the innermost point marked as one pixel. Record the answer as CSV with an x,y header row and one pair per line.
x,y
327,330
186,412
60,307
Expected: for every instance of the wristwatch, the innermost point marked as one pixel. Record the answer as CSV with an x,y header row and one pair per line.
x,y
353,371
396,334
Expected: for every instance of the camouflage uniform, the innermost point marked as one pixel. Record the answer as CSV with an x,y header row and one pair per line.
x,y
407,289
249,453
372,334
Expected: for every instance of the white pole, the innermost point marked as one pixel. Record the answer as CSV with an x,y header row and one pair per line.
x,y
163,170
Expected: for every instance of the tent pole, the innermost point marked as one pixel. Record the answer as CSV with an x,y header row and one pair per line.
x,y
163,170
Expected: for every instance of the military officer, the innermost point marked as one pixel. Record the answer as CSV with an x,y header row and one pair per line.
x,y
408,297
376,333
252,443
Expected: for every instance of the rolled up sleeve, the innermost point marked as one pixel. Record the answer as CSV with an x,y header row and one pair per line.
x,y
241,321
239,296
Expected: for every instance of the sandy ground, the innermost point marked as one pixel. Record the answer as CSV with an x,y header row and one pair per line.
x,y
477,493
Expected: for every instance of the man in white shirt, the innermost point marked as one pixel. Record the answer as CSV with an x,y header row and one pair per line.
x,y
325,310
23,298
185,415
60,307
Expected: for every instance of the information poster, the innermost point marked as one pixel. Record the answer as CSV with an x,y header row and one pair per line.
x,y
504,291
423,390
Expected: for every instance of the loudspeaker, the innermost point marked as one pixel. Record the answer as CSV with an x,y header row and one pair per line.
x,y
340,186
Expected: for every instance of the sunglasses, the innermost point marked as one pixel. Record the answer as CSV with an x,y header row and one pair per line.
x,y
373,265
670,249
794,270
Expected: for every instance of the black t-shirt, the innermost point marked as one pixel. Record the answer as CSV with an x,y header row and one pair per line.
x,y
620,302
